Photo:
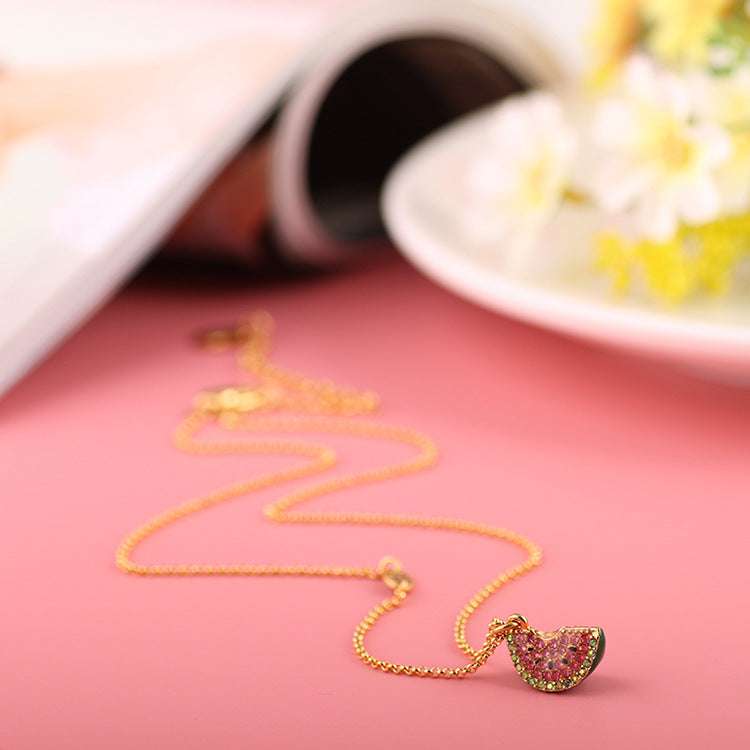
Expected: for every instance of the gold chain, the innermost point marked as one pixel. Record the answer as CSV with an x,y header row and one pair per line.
x,y
286,402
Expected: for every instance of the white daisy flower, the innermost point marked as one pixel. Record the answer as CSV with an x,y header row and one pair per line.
x,y
516,184
656,160
726,100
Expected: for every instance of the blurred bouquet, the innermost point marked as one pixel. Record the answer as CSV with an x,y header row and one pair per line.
x,y
659,148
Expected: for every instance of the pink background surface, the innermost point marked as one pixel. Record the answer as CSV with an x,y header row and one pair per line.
x,y
632,478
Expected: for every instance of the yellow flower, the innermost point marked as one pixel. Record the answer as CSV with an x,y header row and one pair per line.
x,y
615,35
679,30
696,259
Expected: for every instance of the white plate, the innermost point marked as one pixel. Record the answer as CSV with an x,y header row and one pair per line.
x,y
421,205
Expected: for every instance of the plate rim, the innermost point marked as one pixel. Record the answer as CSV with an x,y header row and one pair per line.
x,y
594,320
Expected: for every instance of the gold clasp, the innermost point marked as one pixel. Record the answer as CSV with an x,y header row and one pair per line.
x,y
235,400
389,569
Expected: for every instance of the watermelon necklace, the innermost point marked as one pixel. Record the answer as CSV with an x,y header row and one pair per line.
x,y
281,401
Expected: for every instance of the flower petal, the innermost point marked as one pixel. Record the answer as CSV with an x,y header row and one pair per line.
x,y
699,202
656,218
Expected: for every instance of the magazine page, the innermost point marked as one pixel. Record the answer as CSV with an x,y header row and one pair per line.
x,y
109,130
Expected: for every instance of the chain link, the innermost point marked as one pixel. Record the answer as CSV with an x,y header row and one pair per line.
x,y
289,403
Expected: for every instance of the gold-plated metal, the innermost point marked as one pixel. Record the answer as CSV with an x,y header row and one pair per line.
x,y
282,401
236,400
393,576
515,623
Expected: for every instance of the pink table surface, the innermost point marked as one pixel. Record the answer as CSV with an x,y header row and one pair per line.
x,y
632,478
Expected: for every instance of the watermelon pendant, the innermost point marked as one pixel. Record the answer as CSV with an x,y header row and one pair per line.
x,y
557,661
